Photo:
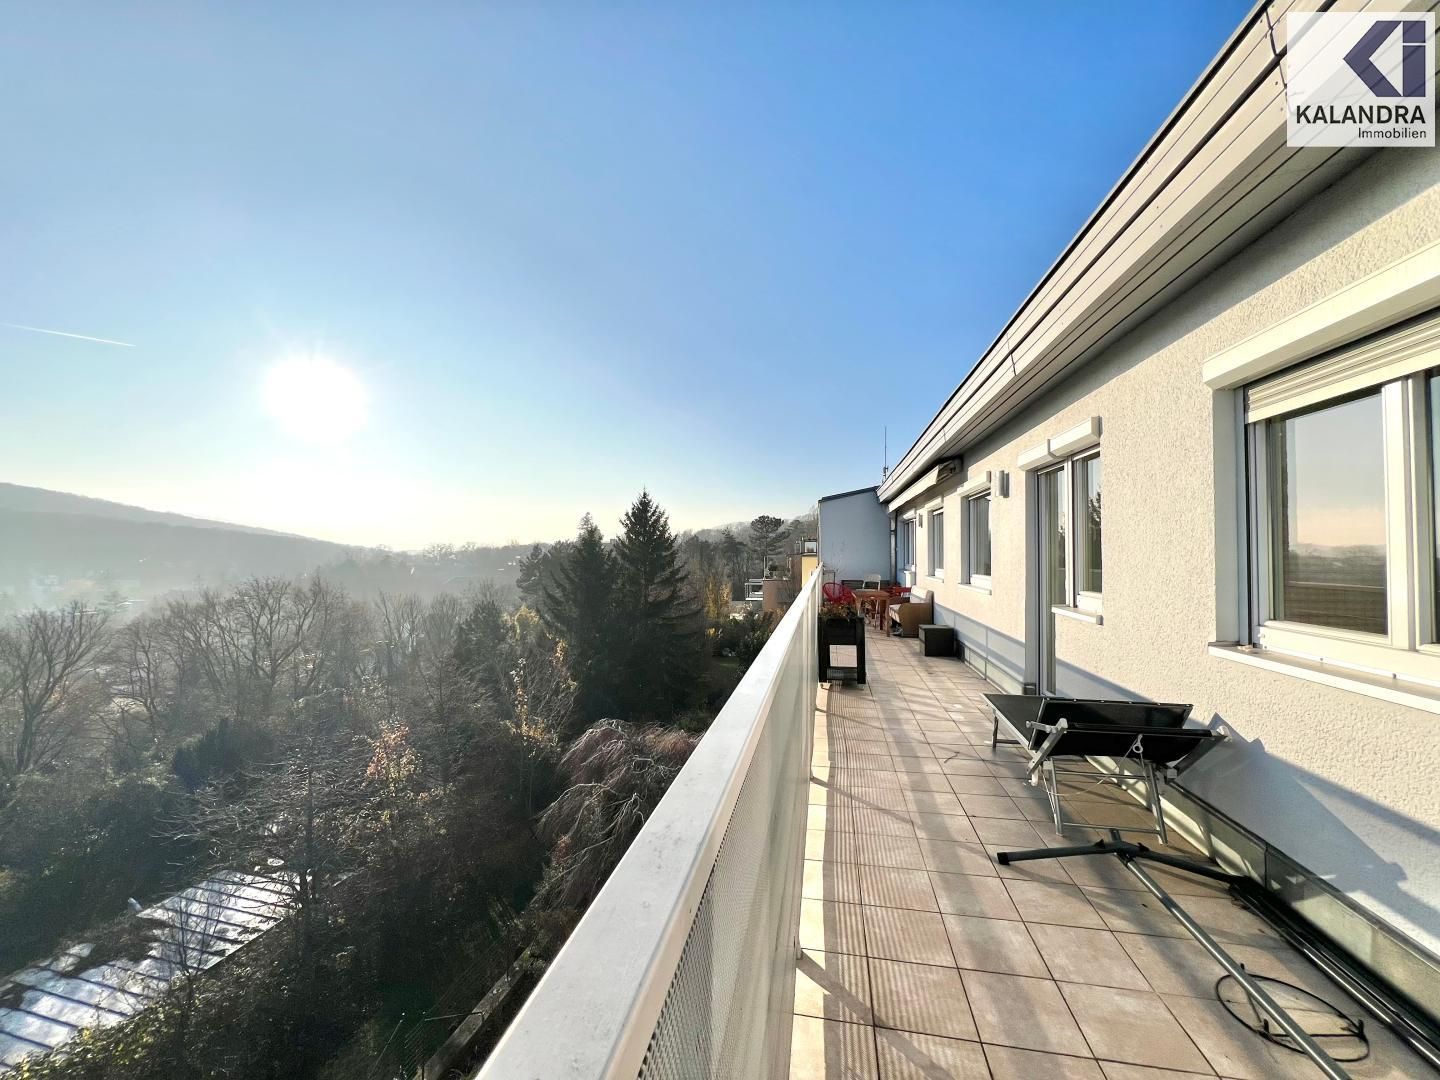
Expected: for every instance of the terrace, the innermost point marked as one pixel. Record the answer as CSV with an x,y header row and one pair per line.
x,y
878,937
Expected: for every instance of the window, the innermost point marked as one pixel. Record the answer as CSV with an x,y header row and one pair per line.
x,y
1327,516
1433,412
977,540
1088,560
905,545
937,543
1343,465
1072,545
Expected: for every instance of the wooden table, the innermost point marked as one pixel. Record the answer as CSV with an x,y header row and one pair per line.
x,y
876,600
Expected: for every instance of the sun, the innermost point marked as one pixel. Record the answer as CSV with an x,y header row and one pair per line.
x,y
315,399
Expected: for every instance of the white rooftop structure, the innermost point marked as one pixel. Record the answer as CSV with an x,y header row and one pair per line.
x,y
44,1005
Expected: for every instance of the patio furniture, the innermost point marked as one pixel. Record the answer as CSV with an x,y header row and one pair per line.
x,y
937,640
1147,733
1132,856
839,630
1152,734
873,602
908,614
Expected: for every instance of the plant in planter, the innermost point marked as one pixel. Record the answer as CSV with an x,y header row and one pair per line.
x,y
840,624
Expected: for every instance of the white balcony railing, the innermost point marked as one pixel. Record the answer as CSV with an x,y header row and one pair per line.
x,y
683,967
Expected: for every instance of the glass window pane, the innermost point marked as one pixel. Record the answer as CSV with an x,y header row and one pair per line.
x,y
1052,493
1327,516
979,554
937,539
1088,565
1433,385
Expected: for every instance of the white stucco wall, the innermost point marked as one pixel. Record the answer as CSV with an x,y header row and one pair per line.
x,y
855,535
1344,783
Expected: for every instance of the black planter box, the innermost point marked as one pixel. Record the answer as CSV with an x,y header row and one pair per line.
x,y
842,632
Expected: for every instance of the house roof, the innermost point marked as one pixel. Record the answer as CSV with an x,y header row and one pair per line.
x,y
847,494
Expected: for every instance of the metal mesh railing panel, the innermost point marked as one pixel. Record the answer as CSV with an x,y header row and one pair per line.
x,y
727,1010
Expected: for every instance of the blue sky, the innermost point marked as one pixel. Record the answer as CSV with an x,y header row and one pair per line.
x,y
518,261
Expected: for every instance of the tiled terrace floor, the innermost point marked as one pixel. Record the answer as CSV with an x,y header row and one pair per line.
x,y
922,957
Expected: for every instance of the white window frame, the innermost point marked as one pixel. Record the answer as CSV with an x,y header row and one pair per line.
x,y
1409,649
936,542
1391,315
905,544
1084,601
967,527
1091,603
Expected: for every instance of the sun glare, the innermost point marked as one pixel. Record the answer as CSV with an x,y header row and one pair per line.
x,y
315,399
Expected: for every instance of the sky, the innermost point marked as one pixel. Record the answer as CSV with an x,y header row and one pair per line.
x,y
430,272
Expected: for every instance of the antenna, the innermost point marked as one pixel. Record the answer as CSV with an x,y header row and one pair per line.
x,y
885,451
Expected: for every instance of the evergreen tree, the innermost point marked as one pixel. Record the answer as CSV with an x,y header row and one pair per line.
x,y
530,579
538,570
482,647
732,551
578,606
767,533
699,556
659,624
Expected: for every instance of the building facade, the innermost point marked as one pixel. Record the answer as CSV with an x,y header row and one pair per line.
x,y
854,535
1201,465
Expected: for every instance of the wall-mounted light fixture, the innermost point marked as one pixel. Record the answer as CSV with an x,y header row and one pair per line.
x,y
1002,484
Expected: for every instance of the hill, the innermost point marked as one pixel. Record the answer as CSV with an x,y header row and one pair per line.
x,y
44,501
55,546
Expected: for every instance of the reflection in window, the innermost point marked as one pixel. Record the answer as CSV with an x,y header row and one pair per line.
x,y
1327,508
1088,564
978,535
1052,495
1432,386
905,544
937,541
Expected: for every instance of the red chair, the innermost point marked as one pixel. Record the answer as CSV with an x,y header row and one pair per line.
x,y
836,593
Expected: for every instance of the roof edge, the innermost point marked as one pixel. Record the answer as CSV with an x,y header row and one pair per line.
x,y
905,467
847,494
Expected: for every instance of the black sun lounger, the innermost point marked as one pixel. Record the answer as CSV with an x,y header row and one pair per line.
x,y
1155,736
1151,734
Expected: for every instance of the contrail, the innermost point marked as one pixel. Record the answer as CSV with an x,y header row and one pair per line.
x,y
63,333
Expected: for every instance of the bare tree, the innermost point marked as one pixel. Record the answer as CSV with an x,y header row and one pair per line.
x,y
194,931
293,824
141,675
397,650
267,639
331,629
541,698
44,657
417,667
